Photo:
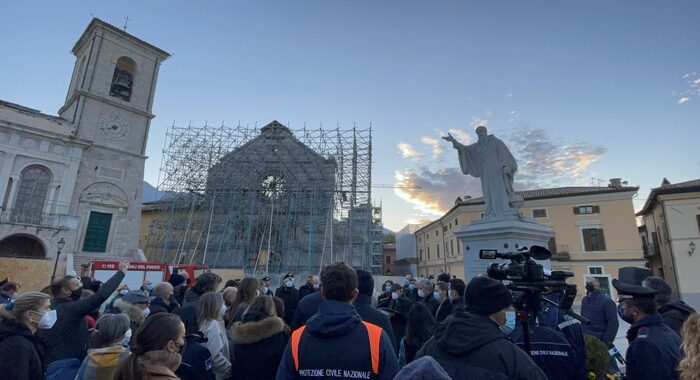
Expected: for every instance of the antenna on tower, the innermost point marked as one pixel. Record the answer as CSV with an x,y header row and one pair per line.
x,y
126,22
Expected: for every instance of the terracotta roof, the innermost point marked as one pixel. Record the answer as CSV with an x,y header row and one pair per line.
x,y
554,192
559,192
669,188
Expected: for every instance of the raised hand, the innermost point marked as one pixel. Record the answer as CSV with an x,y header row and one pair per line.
x,y
451,139
123,265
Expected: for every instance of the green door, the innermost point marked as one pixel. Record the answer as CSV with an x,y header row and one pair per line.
x,y
97,232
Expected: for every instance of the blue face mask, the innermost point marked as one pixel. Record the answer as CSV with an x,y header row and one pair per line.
x,y
405,281
123,292
436,295
411,286
387,288
510,323
149,287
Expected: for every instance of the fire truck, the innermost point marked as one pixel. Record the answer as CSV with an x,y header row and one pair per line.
x,y
138,272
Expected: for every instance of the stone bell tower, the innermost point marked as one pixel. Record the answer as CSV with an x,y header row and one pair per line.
x,y
109,104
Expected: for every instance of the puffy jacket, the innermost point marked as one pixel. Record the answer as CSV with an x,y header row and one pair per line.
x,y
335,340
21,353
675,313
601,311
68,338
468,344
290,296
258,348
363,306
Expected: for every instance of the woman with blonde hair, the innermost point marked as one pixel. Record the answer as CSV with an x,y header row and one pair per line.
x,y
21,353
212,326
689,366
109,346
247,291
259,341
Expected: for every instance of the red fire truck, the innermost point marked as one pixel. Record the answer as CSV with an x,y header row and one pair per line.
x,y
139,272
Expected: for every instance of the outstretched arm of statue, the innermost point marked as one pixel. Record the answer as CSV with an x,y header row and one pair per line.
x,y
450,138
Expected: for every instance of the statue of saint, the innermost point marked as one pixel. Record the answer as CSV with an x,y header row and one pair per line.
x,y
490,160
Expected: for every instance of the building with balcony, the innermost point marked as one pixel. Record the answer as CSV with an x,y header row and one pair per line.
x,y
595,232
78,175
670,234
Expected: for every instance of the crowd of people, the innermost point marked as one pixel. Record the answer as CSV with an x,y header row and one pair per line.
x,y
335,326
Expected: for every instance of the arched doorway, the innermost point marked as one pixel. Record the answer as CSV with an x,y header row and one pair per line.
x,y
22,246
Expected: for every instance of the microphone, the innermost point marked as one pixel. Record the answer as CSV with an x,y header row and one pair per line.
x,y
616,354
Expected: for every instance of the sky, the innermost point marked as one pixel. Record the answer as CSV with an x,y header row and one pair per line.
x,y
581,92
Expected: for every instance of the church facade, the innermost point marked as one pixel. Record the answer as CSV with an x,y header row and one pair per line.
x,y
77,176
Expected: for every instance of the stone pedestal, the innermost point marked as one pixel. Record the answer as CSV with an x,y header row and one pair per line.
x,y
501,235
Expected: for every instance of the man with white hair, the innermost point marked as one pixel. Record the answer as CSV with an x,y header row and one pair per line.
x,y
163,299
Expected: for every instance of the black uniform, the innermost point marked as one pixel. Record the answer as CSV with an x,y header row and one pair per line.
x,y
552,352
290,296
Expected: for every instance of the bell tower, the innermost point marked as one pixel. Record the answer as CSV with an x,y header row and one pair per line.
x,y
109,103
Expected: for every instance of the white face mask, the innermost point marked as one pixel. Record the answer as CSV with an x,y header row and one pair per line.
x,y
394,296
421,293
289,283
145,312
316,286
127,338
47,320
266,289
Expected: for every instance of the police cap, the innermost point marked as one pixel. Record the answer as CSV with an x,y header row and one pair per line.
x,y
628,291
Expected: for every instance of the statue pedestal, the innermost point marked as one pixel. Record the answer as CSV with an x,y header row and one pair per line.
x,y
501,235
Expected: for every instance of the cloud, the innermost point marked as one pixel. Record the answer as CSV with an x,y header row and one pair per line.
x,y
692,88
408,151
478,122
435,146
461,135
544,162
683,100
433,191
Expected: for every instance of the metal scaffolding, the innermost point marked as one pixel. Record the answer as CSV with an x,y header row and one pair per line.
x,y
269,200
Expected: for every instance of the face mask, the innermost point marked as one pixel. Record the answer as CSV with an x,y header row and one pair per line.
x,y
387,288
126,339
394,296
75,295
149,287
316,286
123,292
411,286
405,281
289,283
590,288
266,289
510,323
621,313
47,320
436,295
421,293
223,309
145,312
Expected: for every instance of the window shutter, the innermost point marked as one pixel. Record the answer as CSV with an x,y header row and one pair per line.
x,y
596,209
553,245
698,218
576,211
586,240
601,240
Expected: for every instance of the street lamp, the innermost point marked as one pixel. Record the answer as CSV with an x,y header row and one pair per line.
x,y
59,245
691,248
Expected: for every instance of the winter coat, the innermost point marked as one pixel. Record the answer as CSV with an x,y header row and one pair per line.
x,y
217,344
552,352
258,348
306,308
160,364
290,296
425,368
457,306
675,313
654,350
196,359
158,305
443,310
132,311
102,363
21,353
363,306
336,339
431,303
191,297
601,311
68,338
305,290
190,308
383,300
411,294
468,344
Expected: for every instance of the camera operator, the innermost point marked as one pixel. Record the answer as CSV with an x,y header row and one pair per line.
x,y
472,345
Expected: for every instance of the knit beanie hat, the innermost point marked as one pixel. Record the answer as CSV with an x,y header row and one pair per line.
x,y
485,296
177,280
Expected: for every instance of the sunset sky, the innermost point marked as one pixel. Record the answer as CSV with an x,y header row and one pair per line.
x,y
579,91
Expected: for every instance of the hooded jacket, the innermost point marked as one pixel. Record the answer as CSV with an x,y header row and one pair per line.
x,y
102,363
675,313
258,348
68,338
21,353
306,308
363,306
196,360
470,344
335,340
